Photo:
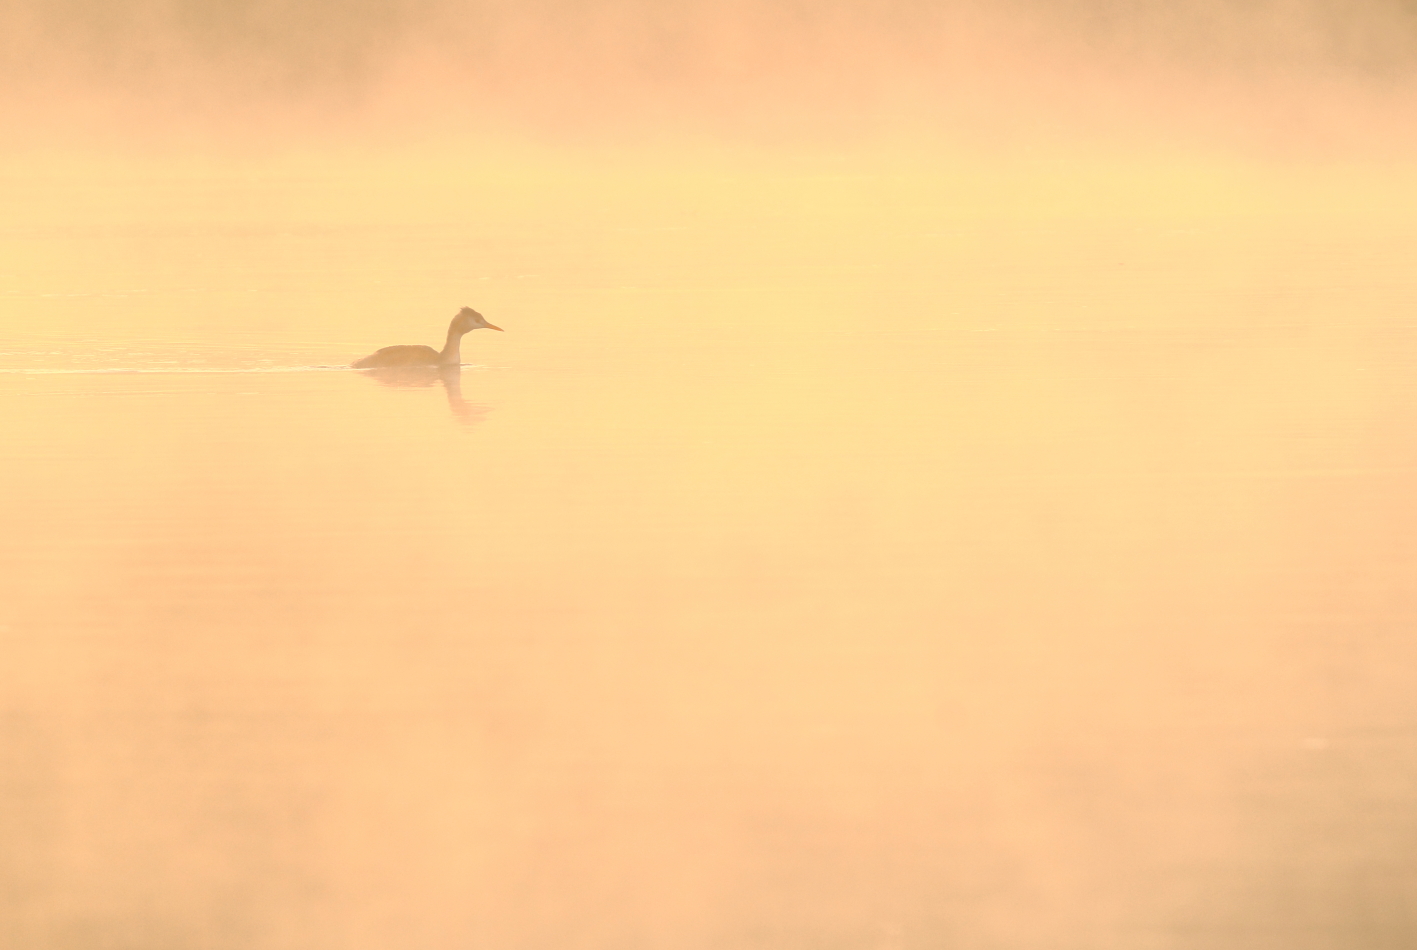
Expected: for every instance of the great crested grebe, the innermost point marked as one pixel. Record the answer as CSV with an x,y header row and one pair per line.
x,y
467,319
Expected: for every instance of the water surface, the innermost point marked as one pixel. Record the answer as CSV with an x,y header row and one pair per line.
x,y
816,561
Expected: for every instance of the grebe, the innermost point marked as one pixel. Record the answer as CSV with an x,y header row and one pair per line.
x,y
467,319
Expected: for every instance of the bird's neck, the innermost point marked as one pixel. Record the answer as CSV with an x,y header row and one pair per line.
x,y
452,354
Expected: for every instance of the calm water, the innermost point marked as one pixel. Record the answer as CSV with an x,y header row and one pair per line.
x,y
815,562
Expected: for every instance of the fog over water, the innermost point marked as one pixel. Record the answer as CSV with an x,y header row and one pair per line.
x,y
946,480
1305,74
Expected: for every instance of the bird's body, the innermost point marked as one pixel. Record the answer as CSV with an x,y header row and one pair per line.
x,y
401,356
466,320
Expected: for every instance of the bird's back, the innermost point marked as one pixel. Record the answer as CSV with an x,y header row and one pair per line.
x,y
400,356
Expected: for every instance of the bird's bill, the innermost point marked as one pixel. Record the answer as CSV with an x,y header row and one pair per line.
x,y
491,327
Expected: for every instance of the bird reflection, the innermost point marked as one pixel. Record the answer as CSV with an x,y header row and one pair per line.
x,y
416,377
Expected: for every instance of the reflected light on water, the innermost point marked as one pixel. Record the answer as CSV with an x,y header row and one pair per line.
x,y
449,377
970,557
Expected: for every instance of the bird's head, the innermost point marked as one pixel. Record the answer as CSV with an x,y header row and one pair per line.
x,y
469,319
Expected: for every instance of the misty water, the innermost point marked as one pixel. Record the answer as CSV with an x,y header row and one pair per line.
x,y
824,557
